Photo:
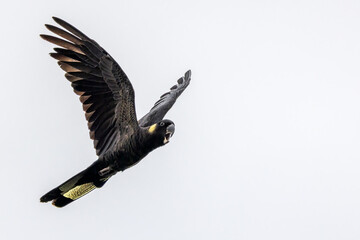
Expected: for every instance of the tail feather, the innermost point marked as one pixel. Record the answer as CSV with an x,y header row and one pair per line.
x,y
73,194
61,201
62,189
74,188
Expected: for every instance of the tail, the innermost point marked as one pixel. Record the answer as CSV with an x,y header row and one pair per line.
x,y
74,188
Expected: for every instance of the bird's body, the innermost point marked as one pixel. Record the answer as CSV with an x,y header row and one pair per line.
x,y
121,141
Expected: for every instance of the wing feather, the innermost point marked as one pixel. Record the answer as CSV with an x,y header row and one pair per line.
x,y
105,91
166,101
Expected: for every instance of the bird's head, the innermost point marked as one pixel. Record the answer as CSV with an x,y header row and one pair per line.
x,y
162,131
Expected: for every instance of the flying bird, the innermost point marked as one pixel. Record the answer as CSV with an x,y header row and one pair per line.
x,y
107,97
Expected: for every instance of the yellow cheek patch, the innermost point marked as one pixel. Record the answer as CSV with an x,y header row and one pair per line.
x,y
152,128
79,191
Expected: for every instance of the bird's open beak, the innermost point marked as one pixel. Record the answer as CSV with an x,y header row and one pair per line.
x,y
169,132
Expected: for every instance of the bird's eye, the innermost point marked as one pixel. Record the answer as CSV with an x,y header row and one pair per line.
x,y
161,124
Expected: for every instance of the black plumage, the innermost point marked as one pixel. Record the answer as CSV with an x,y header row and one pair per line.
x,y
108,100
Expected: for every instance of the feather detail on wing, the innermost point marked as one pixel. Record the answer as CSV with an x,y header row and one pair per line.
x,y
105,91
166,101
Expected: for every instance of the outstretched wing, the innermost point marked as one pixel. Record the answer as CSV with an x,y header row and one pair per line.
x,y
166,101
105,91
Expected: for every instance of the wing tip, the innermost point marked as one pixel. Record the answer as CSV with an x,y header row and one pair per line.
x,y
54,55
56,19
44,36
188,74
48,26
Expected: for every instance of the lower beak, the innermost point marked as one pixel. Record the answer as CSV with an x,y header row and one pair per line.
x,y
169,132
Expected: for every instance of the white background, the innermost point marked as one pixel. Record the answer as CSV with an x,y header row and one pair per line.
x,y
267,134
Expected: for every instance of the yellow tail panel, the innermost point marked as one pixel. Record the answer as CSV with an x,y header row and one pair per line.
x,y
79,191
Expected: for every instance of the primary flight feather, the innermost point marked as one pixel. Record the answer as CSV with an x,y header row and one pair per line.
x,y
108,100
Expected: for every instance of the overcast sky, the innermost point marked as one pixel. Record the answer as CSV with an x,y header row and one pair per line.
x,y
267,134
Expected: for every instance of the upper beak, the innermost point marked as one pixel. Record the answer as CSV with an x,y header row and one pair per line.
x,y
169,132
